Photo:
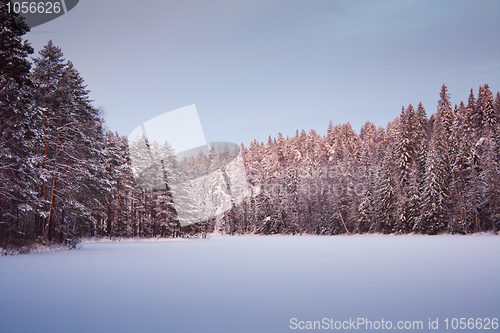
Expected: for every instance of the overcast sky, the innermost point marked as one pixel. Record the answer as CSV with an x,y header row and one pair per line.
x,y
256,68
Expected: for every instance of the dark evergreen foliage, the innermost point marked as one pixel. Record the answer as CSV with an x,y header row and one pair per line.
x,y
18,129
62,177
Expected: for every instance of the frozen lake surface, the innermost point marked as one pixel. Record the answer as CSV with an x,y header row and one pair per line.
x,y
251,283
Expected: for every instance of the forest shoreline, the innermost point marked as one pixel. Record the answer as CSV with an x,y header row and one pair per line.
x,y
64,177
55,247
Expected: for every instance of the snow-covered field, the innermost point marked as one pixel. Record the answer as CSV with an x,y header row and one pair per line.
x,y
252,284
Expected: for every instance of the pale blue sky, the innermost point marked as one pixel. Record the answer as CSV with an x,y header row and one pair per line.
x,y
256,68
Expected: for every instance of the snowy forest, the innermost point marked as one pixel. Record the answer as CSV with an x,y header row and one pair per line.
x,y
63,177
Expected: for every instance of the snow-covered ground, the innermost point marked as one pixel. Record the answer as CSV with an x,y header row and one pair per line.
x,y
251,284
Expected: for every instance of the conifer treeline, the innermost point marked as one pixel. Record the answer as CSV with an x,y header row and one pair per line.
x,y
62,177
437,175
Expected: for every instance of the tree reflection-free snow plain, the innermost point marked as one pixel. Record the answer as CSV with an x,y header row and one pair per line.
x,y
251,284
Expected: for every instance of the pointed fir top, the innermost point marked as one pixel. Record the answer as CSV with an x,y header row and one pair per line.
x,y
444,103
330,125
410,110
421,113
52,52
486,105
472,100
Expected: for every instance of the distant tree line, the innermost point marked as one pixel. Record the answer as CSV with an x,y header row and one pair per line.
x,y
418,175
63,177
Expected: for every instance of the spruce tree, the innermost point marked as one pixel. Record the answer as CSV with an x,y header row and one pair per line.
x,y
72,166
19,134
407,143
486,107
432,219
385,197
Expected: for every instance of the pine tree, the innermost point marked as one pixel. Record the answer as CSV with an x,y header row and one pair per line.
x,y
486,107
407,142
116,219
409,206
365,219
433,196
19,134
422,119
385,197
444,111
72,166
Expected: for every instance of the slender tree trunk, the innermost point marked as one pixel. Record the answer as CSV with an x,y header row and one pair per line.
x,y
116,213
43,193
343,223
49,219
134,217
52,210
62,223
170,202
49,225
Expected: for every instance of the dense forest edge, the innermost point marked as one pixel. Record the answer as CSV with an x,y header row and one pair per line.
x,y
63,177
